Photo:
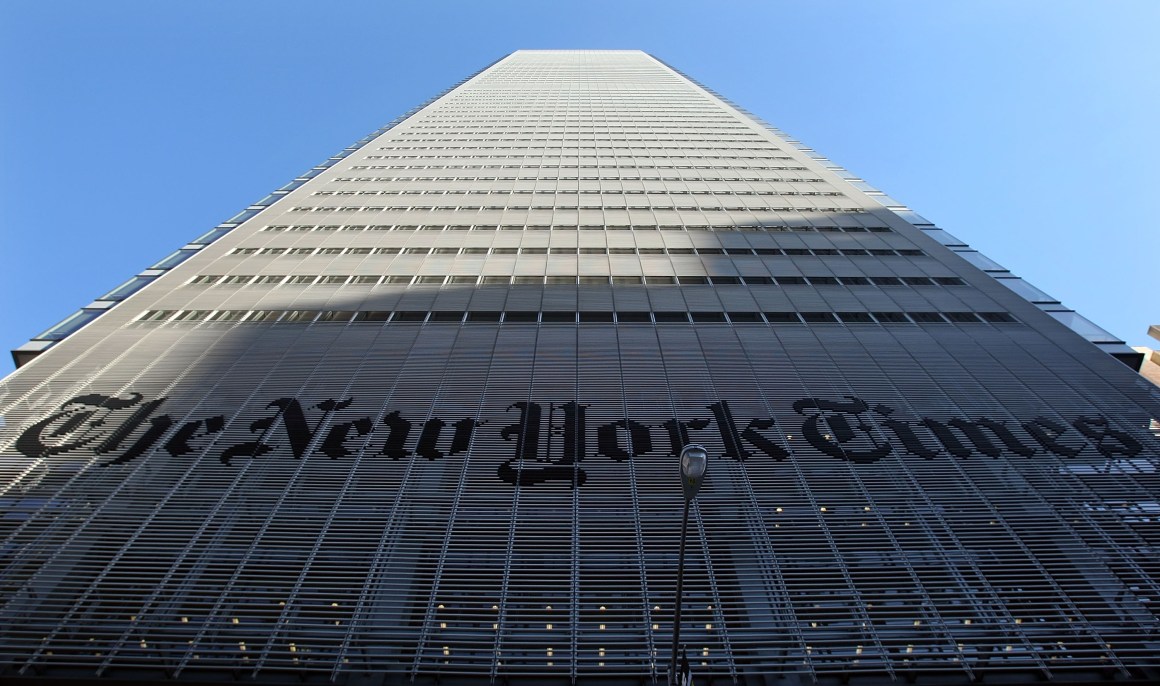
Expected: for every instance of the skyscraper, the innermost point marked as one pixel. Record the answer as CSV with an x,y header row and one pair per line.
x,y
416,414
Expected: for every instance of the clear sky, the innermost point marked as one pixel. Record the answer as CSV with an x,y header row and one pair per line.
x,y
1026,127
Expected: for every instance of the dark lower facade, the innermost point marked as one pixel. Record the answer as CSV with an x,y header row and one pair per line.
x,y
500,502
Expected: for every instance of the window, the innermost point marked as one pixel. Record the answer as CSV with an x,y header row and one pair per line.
x,y
596,317
407,316
782,317
926,317
521,317
227,315
484,316
372,316
157,315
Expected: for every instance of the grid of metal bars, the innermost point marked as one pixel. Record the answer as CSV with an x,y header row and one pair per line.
x,y
510,505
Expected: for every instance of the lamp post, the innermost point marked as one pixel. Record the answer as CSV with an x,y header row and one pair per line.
x,y
694,462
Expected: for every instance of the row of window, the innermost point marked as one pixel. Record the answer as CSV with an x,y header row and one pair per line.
x,y
572,280
566,194
563,135
605,163
475,144
718,228
561,123
539,177
821,252
642,154
564,317
553,206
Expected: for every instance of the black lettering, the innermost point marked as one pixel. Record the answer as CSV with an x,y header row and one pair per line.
x,y
333,446
294,423
433,429
32,441
1109,442
178,444
396,436
679,433
608,439
749,433
127,427
527,432
729,434
974,432
840,430
1048,433
461,439
157,428
913,444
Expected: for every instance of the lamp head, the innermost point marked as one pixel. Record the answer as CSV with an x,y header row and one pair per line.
x,y
694,463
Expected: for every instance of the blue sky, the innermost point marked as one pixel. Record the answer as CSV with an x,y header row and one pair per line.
x,y
1028,128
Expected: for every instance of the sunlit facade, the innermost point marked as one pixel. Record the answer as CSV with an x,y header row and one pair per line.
x,y
414,417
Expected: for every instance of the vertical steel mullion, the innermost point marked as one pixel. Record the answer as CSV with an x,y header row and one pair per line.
x,y
501,615
437,577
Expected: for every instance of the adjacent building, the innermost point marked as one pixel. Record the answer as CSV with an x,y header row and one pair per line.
x,y
414,417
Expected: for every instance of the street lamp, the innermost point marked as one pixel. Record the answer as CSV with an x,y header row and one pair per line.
x,y
694,462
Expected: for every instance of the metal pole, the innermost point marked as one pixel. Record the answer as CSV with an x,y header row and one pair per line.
x,y
680,591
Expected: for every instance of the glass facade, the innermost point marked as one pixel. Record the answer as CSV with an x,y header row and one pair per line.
x,y
417,416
